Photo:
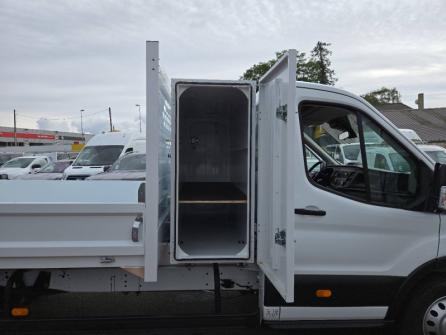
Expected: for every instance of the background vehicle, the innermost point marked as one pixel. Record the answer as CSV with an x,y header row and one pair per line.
x,y
101,152
412,135
52,171
22,165
131,166
435,152
344,153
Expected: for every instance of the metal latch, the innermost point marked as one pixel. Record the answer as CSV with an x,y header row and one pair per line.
x,y
107,259
282,112
280,237
135,228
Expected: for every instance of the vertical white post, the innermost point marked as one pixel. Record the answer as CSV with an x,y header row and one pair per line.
x,y
292,126
152,154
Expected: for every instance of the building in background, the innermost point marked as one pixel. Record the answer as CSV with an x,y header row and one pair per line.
x,y
428,123
37,137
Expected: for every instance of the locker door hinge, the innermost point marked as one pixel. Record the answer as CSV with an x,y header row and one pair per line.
x,y
282,112
280,237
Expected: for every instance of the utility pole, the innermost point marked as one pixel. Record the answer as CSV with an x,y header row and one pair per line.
x,y
15,129
82,125
109,115
140,124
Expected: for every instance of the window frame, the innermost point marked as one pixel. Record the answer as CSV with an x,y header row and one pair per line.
x,y
421,166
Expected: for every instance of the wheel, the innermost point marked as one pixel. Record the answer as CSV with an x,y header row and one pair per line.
x,y
425,313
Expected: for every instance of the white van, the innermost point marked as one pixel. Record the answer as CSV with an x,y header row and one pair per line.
x,y
412,135
436,152
102,151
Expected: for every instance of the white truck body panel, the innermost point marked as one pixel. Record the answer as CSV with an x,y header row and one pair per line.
x,y
66,224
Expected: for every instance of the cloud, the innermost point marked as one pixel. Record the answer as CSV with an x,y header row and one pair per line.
x,y
45,124
60,57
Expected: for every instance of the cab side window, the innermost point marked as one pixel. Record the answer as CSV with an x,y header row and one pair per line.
x,y
363,161
334,131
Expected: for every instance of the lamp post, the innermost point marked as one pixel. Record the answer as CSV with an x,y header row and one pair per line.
x,y
82,125
15,129
139,109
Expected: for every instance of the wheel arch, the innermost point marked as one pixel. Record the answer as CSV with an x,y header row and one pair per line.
x,y
425,272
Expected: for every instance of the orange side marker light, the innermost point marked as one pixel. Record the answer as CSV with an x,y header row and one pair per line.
x,y
19,312
324,294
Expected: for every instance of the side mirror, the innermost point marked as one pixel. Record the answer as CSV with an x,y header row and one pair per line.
x,y
35,166
106,168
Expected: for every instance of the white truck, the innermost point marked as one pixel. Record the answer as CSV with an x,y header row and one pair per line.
x,y
346,244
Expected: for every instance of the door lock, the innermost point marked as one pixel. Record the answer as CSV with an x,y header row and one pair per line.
x,y
135,228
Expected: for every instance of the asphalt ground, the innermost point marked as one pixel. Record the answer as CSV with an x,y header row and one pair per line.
x,y
207,331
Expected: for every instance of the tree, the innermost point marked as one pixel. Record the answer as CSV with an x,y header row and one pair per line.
x,y
316,69
382,96
320,64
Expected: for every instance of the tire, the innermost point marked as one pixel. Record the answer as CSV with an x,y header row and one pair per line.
x,y
425,313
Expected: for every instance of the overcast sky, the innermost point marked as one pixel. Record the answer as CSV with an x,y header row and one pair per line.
x,y
58,57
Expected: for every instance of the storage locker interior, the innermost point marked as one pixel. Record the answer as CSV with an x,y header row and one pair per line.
x,y
213,136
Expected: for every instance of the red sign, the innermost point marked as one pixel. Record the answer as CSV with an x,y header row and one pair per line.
x,y
33,136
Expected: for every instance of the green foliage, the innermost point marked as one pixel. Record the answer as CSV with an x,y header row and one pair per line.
x,y
320,64
382,96
316,69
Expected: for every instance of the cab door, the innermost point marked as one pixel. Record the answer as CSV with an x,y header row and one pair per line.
x,y
361,227
278,138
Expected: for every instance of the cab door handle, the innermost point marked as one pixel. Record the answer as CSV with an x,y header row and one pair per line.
x,y
310,211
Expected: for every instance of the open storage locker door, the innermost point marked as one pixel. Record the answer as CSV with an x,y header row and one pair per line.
x,y
158,128
276,166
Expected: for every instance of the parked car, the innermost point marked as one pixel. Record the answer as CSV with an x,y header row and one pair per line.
x,y
346,154
435,152
129,167
102,151
385,158
51,171
22,165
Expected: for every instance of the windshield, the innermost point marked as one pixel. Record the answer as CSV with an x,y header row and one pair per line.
x,y
6,157
438,156
98,155
18,163
55,167
130,163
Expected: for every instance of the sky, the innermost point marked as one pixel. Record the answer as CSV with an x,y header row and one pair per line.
x,y
58,57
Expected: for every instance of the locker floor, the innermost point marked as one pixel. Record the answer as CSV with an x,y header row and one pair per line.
x,y
208,239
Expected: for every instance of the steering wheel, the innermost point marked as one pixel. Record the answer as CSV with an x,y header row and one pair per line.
x,y
315,165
